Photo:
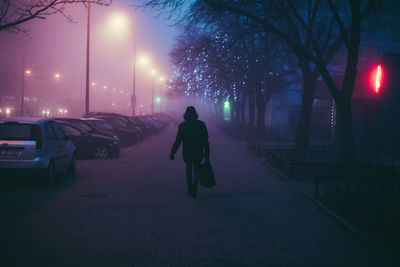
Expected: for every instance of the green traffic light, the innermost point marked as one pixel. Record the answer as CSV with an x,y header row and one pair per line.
x,y
226,104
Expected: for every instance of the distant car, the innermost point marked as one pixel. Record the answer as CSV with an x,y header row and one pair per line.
x,y
126,137
87,127
133,135
37,144
127,122
90,145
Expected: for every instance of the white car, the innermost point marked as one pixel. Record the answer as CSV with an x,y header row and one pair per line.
x,y
35,144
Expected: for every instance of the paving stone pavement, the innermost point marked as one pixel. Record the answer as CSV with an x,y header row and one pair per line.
x,y
134,211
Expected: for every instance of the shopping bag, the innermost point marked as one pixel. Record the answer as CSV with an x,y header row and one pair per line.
x,y
207,178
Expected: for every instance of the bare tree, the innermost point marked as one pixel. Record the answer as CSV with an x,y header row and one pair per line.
x,y
14,13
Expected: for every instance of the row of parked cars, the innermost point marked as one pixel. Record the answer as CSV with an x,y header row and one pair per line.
x,y
100,135
49,146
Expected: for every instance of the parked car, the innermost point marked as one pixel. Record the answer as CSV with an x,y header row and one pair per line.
x,y
87,127
37,144
130,123
146,125
121,125
156,124
146,128
90,145
126,137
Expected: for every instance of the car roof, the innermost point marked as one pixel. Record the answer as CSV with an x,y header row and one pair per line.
x,y
28,120
92,119
69,124
67,119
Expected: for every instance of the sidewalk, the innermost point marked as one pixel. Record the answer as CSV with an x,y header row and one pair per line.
x,y
134,211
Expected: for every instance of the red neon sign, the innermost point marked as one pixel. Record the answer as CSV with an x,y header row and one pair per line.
x,y
378,78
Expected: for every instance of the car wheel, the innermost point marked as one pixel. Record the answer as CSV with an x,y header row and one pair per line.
x,y
72,166
101,152
50,174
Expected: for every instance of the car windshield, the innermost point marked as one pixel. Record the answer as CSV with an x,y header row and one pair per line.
x,y
70,130
82,125
102,125
133,121
119,123
16,131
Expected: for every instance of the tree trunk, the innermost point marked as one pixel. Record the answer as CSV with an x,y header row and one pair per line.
x,y
243,110
260,105
260,118
233,111
251,110
343,105
218,110
303,128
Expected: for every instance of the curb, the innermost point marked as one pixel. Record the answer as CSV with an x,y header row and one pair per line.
x,y
277,172
362,237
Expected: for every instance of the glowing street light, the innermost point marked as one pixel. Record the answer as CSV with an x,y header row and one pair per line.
x,y
104,87
28,72
119,24
93,83
152,73
144,60
57,76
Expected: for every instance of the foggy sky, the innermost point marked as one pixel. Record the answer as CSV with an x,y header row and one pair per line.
x,y
55,45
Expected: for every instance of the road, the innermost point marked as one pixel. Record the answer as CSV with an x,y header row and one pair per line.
x,y
134,211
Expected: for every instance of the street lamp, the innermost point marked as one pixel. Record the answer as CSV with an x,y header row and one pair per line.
x,y
87,58
25,72
162,79
119,21
153,74
57,76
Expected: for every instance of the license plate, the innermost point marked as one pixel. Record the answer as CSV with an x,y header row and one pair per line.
x,y
9,153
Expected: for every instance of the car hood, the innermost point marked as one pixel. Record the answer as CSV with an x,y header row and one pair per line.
x,y
102,137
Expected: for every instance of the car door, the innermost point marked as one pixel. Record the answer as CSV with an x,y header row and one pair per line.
x,y
78,138
51,142
64,147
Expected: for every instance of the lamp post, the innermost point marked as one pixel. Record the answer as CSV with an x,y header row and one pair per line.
x,y
152,97
162,79
153,74
118,21
87,59
23,87
133,97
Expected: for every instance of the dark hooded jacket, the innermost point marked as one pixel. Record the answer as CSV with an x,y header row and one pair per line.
x,y
194,136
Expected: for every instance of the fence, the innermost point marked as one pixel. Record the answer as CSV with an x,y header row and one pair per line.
x,y
366,193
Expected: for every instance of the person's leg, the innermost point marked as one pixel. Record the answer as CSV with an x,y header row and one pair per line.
x,y
189,171
196,168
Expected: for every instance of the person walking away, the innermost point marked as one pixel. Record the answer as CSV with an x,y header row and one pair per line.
x,y
194,136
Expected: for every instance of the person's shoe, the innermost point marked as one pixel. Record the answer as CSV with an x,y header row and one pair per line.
x,y
190,191
194,189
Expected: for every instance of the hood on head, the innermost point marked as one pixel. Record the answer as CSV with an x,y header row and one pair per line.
x,y
190,114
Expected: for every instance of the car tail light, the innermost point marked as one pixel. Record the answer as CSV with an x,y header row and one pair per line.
x,y
37,133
